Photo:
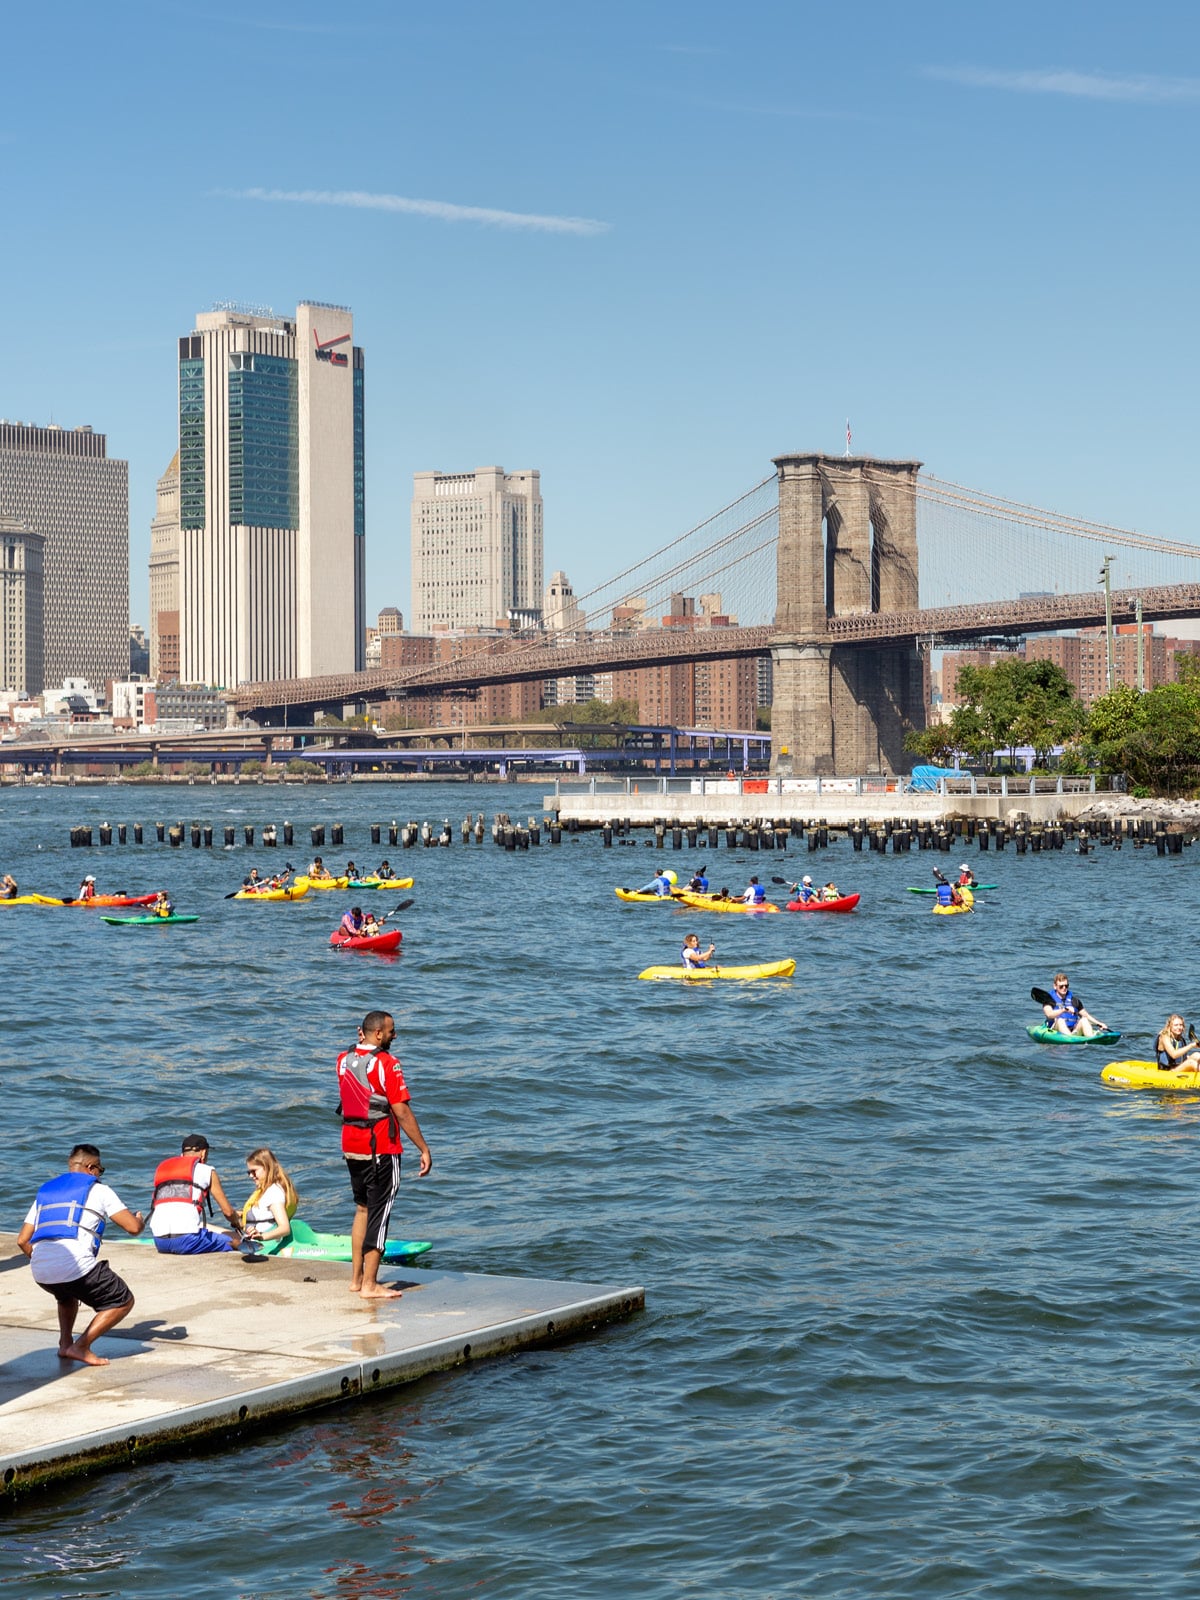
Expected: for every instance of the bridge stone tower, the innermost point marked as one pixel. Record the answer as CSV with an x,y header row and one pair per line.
x,y
847,546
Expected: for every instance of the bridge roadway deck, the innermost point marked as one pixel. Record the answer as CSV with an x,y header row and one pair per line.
x,y
503,661
215,1346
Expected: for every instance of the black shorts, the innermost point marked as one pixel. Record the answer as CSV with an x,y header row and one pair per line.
x,y
100,1288
374,1183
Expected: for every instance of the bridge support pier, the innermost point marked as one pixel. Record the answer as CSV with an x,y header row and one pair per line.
x,y
847,547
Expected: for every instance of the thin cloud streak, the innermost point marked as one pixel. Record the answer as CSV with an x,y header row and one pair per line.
x,y
1143,89
442,210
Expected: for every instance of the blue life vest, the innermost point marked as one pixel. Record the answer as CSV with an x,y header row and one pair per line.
x,y
687,951
699,884
663,885
945,898
61,1207
1072,1008
760,894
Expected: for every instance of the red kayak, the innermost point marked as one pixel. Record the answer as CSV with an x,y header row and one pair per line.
x,y
846,903
115,900
361,941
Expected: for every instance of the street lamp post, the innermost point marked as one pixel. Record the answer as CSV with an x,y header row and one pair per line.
x,y
1106,580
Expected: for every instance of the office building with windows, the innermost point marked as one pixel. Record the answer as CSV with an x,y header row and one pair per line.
x,y
476,548
21,609
271,496
61,483
164,577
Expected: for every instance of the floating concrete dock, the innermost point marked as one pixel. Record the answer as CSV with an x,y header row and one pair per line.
x,y
216,1345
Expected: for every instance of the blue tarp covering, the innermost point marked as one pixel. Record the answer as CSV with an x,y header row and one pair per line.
x,y
927,777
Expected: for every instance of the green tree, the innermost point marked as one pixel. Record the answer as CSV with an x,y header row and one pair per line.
x,y
1012,703
1153,738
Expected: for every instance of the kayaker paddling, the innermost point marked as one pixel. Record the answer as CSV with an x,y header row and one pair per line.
x,y
693,956
1065,1012
1173,1052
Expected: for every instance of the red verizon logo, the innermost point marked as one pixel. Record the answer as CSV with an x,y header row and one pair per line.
x,y
326,352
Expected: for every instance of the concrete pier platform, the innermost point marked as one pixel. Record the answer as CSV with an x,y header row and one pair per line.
x,y
215,1346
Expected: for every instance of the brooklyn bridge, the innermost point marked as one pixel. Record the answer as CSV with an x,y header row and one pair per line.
x,y
835,566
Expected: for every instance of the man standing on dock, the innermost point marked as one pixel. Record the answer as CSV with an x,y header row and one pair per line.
x,y
61,1236
374,1106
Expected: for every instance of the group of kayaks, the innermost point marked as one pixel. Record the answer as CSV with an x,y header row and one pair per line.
x,y
719,902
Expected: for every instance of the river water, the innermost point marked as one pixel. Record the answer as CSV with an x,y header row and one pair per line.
x,y
920,1293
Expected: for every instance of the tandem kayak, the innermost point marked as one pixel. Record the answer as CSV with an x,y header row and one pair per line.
x,y
146,922
712,902
103,900
638,897
846,902
364,941
975,888
303,882
1045,1035
764,969
1149,1075
293,892
379,883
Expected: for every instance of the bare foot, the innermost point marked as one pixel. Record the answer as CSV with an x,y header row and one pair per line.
x,y
379,1292
80,1352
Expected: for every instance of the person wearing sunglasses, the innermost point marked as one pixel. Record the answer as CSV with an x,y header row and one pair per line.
x,y
1066,1013
267,1214
61,1237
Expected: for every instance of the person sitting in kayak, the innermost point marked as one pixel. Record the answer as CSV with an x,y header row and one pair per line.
x,y
948,894
1172,1050
319,869
692,954
87,889
804,890
253,881
162,906
661,884
1066,1013
351,925
698,882
384,869
831,892
755,894
268,1212
9,884
966,878
279,881
351,870
372,925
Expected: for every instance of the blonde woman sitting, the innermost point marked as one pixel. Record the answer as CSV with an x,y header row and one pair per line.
x,y
267,1215
1172,1050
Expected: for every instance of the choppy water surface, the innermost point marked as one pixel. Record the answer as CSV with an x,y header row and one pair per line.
x,y
921,1294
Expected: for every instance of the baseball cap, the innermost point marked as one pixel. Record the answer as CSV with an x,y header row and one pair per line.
x,y
89,879
806,880
194,1141
963,867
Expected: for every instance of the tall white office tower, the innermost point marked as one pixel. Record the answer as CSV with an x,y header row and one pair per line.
x,y
62,484
476,548
271,496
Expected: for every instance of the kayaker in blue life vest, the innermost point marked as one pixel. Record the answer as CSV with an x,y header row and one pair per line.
x,y
698,882
692,954
804,890
1066,1013
661,884
1172,1050
755,894
948,894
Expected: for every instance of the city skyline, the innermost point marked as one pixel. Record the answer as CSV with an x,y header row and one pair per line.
x,y
688,243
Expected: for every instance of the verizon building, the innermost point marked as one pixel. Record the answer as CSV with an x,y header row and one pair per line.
x,y
61,484
271,496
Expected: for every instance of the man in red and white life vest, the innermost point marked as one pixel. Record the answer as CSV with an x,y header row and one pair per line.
x,y
374,1104
185,1187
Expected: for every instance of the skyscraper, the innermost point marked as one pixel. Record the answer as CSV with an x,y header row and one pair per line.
x,y
271,495
61,484
21,608
164,578
476,548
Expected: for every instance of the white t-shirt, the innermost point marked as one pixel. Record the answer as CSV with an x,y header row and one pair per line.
x,y
173,1217
259,1215
62,1260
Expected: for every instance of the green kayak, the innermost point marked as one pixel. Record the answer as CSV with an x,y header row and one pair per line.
x,y
1045,1035
975,888
306,1244
146,922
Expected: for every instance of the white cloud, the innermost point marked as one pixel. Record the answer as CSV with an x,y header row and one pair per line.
x,y
443,210
1147,89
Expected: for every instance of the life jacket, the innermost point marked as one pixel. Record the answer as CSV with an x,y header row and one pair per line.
x,y
256,1216
175,1180
1071,1007
350,926
760,894
691,958
360,1106
699,884
61,1208
945,898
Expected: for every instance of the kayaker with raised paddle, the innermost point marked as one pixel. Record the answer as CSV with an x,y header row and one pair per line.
x,y
1065,1012
1172,1050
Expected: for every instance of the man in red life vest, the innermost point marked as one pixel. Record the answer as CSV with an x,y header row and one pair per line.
x,y
185,1187
374,1107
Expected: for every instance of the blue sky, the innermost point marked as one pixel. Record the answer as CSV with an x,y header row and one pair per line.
x,y
641,247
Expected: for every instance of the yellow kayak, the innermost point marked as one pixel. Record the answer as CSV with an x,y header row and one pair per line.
x,y
712,902
303,882
378,883
637,897
953,911
33,900
295,892
1149,1075
764,969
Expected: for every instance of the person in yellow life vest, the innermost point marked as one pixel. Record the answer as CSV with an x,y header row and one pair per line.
x,y
162,906
185,1188
267,1214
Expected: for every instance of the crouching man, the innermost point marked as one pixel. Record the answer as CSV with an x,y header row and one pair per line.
x,y
62,1236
